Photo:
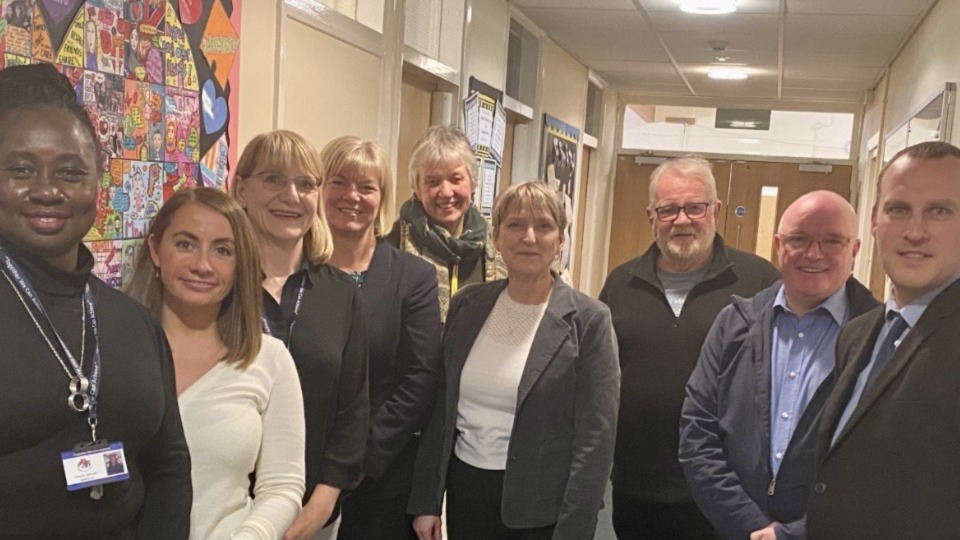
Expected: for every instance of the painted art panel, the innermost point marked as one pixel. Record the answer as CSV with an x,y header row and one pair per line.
x,y
159,79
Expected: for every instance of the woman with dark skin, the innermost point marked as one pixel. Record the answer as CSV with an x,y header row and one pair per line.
x,y
81,362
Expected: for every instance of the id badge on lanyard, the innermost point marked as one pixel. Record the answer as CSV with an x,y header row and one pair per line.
x,y
97,462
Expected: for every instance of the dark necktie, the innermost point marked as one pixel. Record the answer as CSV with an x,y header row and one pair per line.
x,y
887,348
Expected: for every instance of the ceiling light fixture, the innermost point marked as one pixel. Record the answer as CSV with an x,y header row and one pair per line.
x,y
728,73
708,7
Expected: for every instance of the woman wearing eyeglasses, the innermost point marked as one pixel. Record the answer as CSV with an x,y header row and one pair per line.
x,y
314,309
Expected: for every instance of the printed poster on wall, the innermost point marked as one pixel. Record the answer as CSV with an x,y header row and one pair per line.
x,y
159,79
558,166
485,123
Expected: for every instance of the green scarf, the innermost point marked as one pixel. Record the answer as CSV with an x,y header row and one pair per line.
x,y
467,250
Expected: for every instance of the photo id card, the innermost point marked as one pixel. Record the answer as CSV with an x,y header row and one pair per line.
x,y
93,465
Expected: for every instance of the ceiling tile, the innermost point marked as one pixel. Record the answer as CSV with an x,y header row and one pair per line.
x,y
840,42
841,59
659,76
627,66
650,89
857,7
831,72
828,84
594,4
848,25
584,25
688,40
597,55
743,6
855,96
734,23
707,56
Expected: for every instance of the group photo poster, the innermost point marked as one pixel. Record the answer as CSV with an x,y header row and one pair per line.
x,y
558,168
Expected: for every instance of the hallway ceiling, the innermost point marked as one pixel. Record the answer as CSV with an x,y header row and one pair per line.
x,y
809,50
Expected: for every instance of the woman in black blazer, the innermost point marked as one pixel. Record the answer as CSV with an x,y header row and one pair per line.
x,y
523,433
314,309
403,317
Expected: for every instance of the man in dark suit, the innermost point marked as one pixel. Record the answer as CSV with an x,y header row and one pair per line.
x,y
889,443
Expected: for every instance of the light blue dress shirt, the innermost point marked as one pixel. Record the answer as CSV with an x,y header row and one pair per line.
x,y
911,313
802,357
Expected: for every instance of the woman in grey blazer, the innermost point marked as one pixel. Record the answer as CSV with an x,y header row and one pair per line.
x,y
523,433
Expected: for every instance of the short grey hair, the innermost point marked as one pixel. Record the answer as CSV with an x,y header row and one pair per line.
x,y
442,144
688,166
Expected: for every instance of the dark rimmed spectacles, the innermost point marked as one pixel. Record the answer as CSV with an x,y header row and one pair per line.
x,y
671,212
831,245
305,185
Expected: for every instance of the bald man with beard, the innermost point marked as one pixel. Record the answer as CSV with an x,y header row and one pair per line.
x,y
749,422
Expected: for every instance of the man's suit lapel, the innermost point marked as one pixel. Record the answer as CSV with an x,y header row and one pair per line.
x,y
945,305
552,333
860,351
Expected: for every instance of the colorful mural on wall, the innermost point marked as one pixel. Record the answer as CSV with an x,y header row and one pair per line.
x,y
159,79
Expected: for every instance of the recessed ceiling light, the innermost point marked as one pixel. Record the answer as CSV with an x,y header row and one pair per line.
x,y
708,7
727,73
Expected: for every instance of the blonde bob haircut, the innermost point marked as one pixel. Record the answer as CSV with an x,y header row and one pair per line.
x,y
238,324
539,197
352,157
442,145
275,152
688,167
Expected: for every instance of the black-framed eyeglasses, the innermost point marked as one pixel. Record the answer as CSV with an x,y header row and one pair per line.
x,y
831,245
305,185
671,212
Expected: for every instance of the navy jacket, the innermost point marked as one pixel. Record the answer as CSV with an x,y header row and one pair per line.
x,y
403,318
725,424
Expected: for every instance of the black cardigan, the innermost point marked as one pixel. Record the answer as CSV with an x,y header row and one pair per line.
x,y
329,347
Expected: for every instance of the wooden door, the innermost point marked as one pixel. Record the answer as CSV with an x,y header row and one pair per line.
x,y
747,180
415,98
630,232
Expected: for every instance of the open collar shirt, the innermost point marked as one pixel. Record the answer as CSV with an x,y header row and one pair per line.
x,y
802,357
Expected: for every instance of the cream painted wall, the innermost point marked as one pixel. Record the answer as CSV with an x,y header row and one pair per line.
x,y
928,61
486,54
327,87
258,52
563,85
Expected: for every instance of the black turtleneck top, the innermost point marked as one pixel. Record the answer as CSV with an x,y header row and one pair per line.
x,y
137,406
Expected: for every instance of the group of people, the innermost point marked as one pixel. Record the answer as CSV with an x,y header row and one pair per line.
x,y
286,362
806,408
280,358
